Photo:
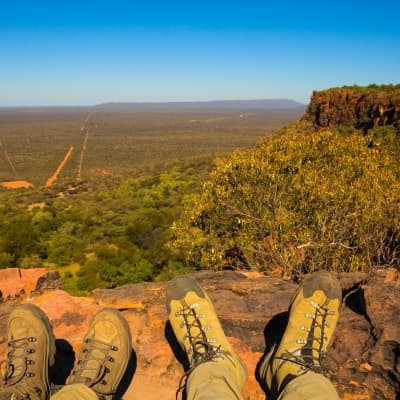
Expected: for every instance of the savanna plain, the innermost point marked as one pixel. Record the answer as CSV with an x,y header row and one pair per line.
x,y
101,189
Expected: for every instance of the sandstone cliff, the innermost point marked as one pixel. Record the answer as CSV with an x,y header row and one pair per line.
x,y
359,107
364,358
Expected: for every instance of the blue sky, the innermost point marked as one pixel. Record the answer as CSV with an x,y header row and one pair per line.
x,y
88,52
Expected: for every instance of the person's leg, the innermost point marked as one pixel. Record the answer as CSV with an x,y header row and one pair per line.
x,y
294,369
31,349
216,372
102,361
213,381
310,386
75,391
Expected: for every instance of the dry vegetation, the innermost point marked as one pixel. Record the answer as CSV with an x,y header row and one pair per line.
x,y
138,170
299,202
123,144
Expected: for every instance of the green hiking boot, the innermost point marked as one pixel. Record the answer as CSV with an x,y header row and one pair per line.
x,y
197,328
313,315
105,354
31,350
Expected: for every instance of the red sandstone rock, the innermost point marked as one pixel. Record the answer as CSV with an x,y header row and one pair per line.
x,y
17,282
363,108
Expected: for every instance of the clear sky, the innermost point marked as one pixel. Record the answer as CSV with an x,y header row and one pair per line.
x,y
87,52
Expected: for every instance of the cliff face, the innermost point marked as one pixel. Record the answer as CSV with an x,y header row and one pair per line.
x,y
364,358
360,107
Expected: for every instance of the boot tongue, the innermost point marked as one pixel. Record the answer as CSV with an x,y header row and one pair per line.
x,y
18,348
94,369
98,350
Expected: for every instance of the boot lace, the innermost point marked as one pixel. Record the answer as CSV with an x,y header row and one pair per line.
x,y
91,368
202,348
17,369
310,356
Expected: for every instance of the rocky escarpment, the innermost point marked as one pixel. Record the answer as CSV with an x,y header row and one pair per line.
x,y
360,107
364,358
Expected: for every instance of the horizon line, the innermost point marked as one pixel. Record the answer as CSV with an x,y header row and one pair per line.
x,y
147,102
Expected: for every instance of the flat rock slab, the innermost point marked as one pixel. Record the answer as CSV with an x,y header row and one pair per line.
x,y
364,358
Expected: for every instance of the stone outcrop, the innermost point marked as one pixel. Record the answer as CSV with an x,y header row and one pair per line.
x,y
364,358
360,107
16,282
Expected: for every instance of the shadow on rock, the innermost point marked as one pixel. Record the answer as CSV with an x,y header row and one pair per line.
x,y
355,300
176,348
180,355
64,361
273,334
128,376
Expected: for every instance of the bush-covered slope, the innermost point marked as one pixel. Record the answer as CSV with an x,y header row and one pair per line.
x,y
298,202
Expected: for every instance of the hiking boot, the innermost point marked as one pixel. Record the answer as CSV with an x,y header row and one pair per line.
x,y
313,315
31,350
105,354
197,328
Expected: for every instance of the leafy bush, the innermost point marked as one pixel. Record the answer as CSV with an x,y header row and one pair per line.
x,y
5,259
65,249
297,203
99,239
136,269
386,136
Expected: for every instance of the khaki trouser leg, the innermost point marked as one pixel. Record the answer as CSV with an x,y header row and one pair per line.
x,y
310,386
212,381
75,391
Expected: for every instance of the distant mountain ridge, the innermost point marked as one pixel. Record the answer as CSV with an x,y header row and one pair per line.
x,y
225,105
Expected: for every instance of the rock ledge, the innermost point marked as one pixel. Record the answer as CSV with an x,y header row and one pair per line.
x,y
364,358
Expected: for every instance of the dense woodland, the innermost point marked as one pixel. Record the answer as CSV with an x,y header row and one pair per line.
x,y
101,239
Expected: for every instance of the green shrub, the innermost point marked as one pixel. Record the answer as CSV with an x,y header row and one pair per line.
x,y
6,259
385,136
172,269
63,249
136,269
297,203
31,261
